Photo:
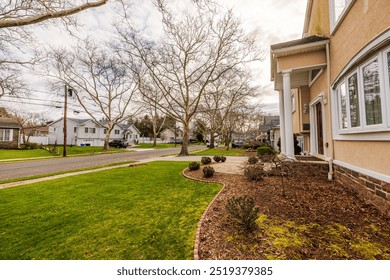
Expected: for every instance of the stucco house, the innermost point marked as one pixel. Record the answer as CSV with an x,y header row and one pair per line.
x,y
334,92
88,132
9,133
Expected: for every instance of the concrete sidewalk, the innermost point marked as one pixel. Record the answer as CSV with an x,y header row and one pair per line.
x,y
233,165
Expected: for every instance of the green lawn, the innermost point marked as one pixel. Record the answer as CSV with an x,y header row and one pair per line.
x,y
74,150
221,151
144,212
159,146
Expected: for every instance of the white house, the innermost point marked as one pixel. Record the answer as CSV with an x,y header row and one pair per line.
x,y
87,132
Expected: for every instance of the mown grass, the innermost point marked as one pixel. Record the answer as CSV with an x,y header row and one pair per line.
x,y
159,146
144,212
62,172
221,151
70,150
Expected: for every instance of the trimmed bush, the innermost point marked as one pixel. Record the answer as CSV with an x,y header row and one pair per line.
x,y
243,211
265,150
223,158
253,160
205,160
217,158
208,171
254,172
30,146
193,166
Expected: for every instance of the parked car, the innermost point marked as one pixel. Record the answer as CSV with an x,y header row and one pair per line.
x,y
238,144
118,143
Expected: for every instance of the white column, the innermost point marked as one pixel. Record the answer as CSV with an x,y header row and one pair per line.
x,y
288,125
282,129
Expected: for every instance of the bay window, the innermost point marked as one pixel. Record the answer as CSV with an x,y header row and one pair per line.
x,y
363,97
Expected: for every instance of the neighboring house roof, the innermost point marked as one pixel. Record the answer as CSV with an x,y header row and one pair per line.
x,y
9,123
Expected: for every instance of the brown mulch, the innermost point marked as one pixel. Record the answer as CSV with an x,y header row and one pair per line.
x,y
314,219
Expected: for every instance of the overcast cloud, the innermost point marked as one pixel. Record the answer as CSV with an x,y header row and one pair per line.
x,y
271,21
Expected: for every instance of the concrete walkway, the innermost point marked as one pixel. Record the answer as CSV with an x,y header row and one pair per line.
x,y
233,165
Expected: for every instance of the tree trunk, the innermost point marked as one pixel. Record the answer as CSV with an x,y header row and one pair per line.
x,y
186,140
106,147
154,135
212,139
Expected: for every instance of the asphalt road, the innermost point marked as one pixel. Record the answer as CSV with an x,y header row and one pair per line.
x,y
12,170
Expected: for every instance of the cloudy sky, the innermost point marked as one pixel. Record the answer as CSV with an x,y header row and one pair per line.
x,y
272,21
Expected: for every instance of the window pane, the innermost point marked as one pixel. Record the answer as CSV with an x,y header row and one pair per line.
x,y
1,134
339,6
372,94
7,135
388,64
343,103
354,101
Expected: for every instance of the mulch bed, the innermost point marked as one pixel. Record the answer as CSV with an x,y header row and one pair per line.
x,y
315,219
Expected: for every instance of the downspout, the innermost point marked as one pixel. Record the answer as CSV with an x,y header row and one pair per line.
x,y
330,173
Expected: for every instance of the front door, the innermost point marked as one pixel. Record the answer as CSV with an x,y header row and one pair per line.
x,y
320,134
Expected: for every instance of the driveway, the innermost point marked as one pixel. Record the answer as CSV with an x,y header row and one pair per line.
x,y
39,167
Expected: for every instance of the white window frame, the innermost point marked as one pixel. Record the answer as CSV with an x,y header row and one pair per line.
x,y
293,102
117,131
335,22
364,132
11,135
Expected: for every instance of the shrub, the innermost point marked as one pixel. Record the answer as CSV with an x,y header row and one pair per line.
x,y
30,146
217,158
253,160
208,171
223,158
265,150
243,210
206,160
193,166
254,172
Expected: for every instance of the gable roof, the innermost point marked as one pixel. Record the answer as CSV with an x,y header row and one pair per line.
x,y
9,123
298,42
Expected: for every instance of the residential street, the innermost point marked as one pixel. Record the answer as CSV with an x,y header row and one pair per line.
x,y
13,170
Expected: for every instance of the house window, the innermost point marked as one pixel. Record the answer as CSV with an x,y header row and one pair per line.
x,y
117,131
354,100
75,130
361,97
90,130
343,105
338,9
105,131
6,134
372,93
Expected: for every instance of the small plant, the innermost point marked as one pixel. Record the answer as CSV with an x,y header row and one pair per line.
x,y
243,210
30,146
265,150
253,160
254,172
223,158
217,158
205,160
194,166
208,171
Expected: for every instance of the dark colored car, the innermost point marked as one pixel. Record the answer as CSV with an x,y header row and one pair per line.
x,y
238,144
118,143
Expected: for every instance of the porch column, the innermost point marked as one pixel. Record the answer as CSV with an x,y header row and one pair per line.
x,y
282,128
288,125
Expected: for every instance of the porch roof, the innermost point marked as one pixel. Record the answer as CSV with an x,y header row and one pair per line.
x,y
8,123
298,57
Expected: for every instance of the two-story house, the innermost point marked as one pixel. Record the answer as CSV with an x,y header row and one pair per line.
x,y
334,91
87,132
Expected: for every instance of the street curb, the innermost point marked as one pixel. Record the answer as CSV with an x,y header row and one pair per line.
x,y
202,219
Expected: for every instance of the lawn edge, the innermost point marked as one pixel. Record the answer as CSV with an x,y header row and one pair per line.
x,y
200,223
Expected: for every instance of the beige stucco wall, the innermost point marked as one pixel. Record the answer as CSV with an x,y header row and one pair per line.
x,y
302,60
319,20
365,155
364,22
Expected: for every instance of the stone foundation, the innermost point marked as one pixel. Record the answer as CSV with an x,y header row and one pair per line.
x,y
373,190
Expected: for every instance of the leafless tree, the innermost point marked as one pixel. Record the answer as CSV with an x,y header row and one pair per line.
x,y
231,91
29,123
100,80
196,50
16,16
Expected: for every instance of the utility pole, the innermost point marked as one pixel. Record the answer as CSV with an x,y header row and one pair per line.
x,y
65,125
